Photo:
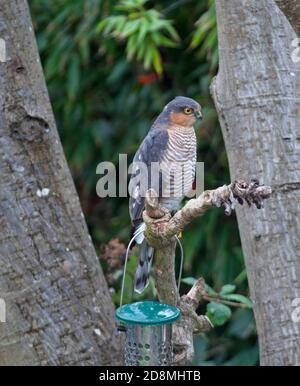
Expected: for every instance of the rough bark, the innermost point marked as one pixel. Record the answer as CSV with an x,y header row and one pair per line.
x,y
256,93
59,311
291,9
161,231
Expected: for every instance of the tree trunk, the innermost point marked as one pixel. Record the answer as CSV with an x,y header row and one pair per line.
x,y
58,308
256,93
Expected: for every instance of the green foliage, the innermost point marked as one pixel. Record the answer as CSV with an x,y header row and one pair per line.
x,y
217,309
236,345
218,313
189,280
227,289
205,37
144,30
104,101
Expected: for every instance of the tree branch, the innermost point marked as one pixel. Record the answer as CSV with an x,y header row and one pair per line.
x,y
161,229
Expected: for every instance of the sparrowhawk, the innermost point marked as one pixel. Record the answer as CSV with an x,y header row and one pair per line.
x,y
165,162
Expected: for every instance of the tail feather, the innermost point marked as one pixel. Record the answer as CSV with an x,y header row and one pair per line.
x,y
137,232
143,269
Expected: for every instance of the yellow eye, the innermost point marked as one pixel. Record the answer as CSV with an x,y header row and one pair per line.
x,y
188,110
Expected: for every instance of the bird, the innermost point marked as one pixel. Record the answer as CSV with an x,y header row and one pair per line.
x,y
169,148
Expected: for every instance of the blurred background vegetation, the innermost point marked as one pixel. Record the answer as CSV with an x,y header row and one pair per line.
x,y
110,67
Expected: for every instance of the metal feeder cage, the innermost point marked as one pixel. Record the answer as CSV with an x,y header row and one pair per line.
x,y
148,327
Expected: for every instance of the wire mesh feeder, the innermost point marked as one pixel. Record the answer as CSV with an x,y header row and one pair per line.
x,y
148,327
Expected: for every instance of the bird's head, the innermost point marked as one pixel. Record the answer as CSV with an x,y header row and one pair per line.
x,y
182,111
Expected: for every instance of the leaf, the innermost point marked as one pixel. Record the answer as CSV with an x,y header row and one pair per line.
x,y
141,52
167,42
118,71
101,25
130,28
120,25
156,60
131,46
148,56
172,31
227,289
189,280
210,291
156,38
242,276
142,31
84,50
239,298
197,37
74,77
51,67
218,313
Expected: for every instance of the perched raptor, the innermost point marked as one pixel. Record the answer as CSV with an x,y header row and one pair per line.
x,y
165,162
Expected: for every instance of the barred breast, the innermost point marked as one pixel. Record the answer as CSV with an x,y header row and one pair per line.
x,y
178,166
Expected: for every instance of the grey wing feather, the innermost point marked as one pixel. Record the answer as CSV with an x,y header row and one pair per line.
x,y
150,150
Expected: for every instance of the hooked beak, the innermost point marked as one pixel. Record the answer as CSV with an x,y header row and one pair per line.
x,y
198,114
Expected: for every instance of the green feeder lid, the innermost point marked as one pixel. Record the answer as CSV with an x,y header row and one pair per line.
x,y
147,313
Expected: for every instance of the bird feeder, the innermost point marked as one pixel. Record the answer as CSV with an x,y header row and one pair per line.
x,y
148,327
